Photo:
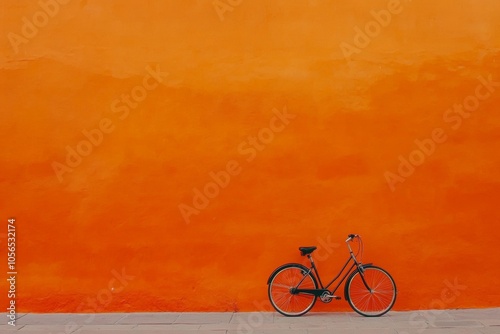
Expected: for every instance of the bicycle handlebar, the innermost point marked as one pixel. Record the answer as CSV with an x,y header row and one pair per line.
x,y
351,236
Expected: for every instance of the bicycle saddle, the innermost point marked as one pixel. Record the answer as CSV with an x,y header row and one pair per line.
x,y
307,250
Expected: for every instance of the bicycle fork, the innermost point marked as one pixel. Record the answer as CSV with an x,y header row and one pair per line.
x,y
362,274
361,270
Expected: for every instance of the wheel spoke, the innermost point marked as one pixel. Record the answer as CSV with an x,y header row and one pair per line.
x,y
277,285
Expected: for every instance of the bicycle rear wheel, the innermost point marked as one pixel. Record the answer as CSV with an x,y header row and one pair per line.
x,y
372,303
280,295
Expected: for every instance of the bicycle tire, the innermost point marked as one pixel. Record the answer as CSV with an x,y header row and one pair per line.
x,y
280,283
371,303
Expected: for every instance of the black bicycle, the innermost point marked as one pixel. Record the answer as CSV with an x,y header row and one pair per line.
x,y
369,290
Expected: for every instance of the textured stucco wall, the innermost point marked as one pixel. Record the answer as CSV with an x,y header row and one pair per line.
x,y
171,93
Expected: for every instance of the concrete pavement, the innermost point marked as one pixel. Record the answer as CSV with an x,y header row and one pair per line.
x,y
477,321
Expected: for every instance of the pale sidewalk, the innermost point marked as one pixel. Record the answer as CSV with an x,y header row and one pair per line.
x,y
480,321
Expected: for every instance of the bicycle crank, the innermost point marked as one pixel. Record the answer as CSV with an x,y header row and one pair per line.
x,y
326,297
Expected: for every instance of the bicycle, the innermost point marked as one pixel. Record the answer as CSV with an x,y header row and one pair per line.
x,y
369,290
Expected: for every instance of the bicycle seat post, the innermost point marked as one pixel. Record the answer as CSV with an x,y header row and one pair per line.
x,y
309,256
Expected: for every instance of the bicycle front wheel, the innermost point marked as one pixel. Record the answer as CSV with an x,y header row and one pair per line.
x,y
375,301
280,290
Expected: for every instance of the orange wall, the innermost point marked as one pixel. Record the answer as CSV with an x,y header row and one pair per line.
x,y
322,176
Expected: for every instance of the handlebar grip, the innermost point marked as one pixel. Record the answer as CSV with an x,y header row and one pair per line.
x,y
351,236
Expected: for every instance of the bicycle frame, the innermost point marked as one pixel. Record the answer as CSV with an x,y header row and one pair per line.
x,y
319,292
